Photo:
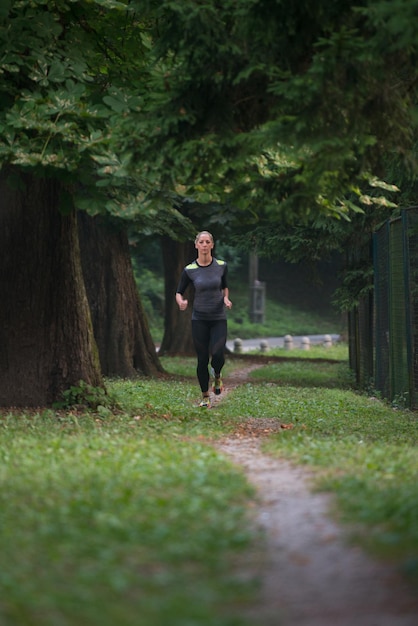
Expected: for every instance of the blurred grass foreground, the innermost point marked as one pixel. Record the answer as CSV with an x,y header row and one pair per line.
x,y
125,514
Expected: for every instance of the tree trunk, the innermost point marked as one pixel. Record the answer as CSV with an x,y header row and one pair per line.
x,y
121,329
177,324
46,335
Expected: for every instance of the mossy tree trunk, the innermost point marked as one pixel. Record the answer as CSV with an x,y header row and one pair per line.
x,y
120,325
46,335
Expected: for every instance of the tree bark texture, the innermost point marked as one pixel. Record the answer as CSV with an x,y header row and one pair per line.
x,y
120,325
46,336
177,324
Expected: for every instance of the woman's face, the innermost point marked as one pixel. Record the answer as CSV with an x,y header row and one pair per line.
x,y
204,244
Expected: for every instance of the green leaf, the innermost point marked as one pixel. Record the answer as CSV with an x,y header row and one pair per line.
x,y
56,72
375,182
119,105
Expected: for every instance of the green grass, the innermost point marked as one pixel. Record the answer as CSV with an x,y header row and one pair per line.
x,y
367,454
127,515
362,449
115,521
303,373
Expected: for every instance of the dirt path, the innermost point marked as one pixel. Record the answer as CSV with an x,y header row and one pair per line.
x,y
312,575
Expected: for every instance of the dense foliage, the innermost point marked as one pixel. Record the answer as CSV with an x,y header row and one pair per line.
x,y
291,109
70,73
258,105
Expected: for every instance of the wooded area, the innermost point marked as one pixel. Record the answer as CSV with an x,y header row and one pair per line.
x,y
267,122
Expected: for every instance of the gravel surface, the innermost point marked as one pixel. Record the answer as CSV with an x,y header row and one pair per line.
x,y
310,574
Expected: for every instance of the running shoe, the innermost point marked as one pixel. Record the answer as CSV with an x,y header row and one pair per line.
x,y
205,402
217,385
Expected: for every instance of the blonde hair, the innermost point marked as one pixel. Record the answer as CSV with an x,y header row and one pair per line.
x,y
204,232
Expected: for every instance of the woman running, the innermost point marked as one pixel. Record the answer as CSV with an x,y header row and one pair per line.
x,y
209,326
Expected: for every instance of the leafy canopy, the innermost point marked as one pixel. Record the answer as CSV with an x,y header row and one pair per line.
x,y
284,110
277,106
70,72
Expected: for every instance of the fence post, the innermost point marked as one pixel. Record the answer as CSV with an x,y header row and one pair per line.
x,y
257,307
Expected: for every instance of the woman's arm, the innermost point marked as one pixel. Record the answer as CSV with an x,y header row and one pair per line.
x,y
227,301
181,288
182,303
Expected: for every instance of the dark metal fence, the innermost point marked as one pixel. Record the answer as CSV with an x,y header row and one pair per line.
x,y
360,319
395,309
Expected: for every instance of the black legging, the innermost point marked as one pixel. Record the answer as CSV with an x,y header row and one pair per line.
x,y
209,339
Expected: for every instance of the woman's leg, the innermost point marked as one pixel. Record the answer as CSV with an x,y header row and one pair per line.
x,y
217,345
201,338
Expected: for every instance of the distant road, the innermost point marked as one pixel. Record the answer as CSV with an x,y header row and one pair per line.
x,y
278,342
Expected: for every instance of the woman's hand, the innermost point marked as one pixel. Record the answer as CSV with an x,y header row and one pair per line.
x,y
182,304
227,302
